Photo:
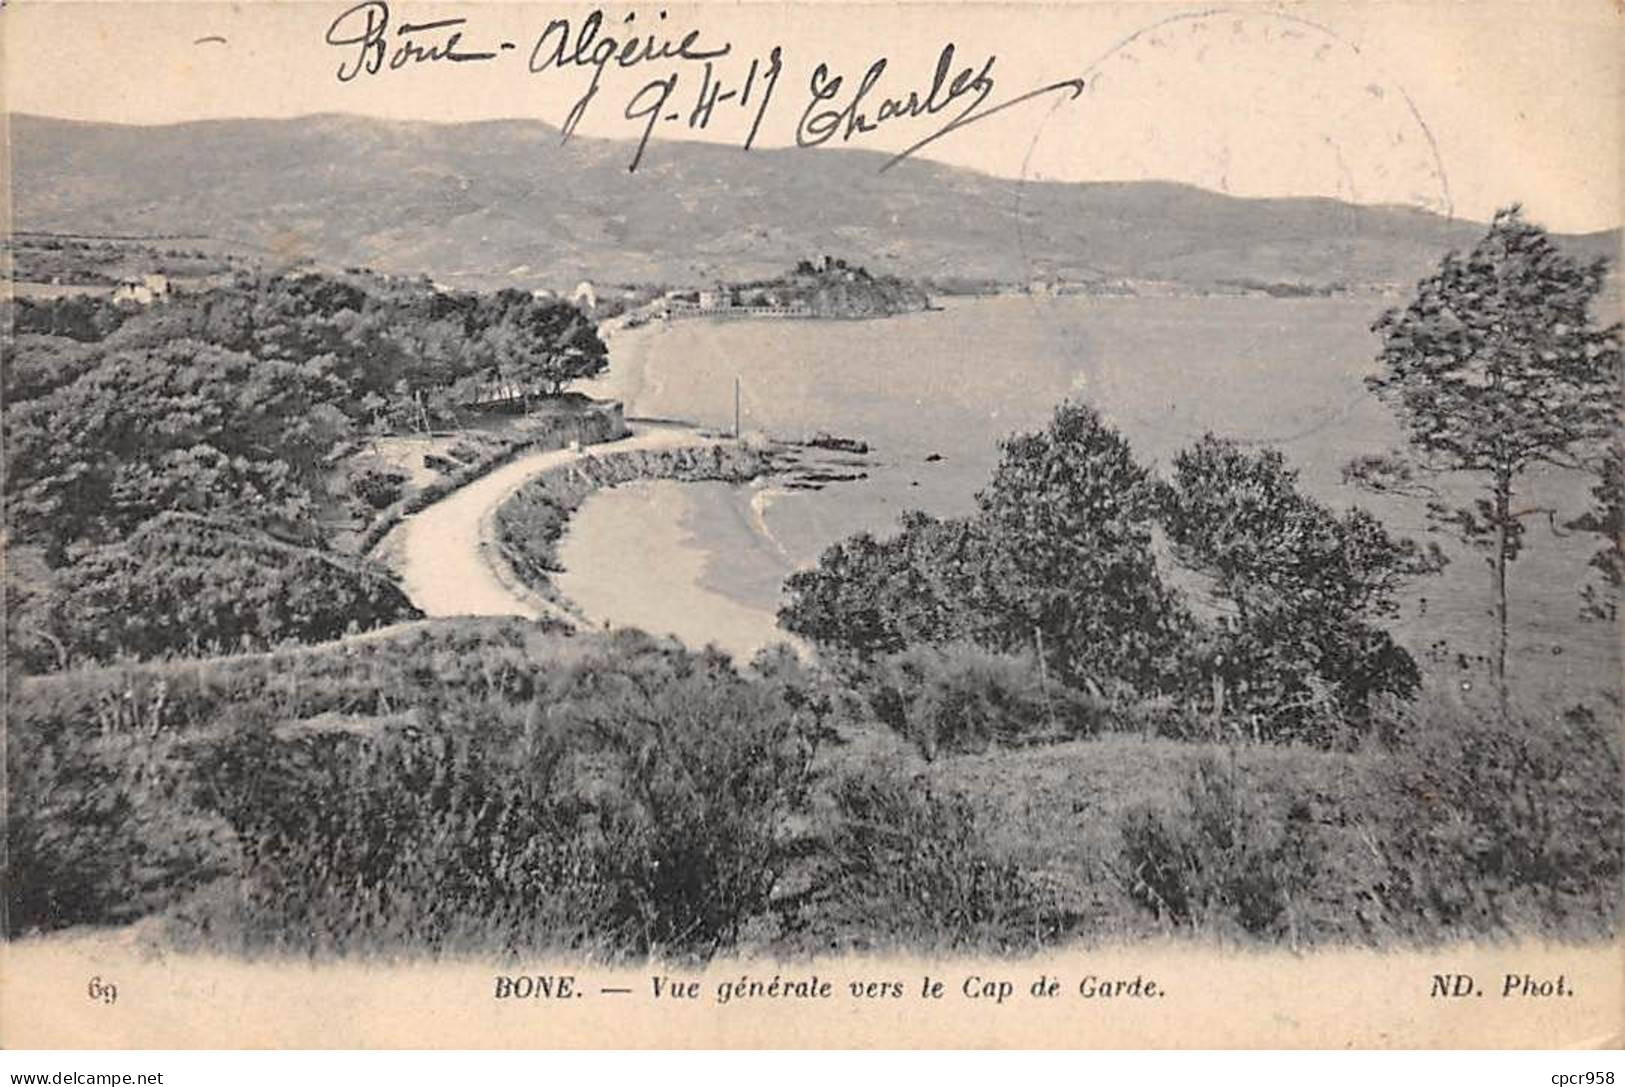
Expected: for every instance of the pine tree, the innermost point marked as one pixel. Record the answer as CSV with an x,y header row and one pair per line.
x,y
1495,368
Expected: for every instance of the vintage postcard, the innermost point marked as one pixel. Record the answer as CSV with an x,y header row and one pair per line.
x,y
812,524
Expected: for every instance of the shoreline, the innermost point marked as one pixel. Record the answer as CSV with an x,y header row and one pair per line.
x,y
632,557
661,578
611,542
443,552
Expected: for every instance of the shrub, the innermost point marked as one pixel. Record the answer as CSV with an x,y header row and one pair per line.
x,y
959,698
1494,824
103,826
1222,861
631,799
377,488
420,840
183,583
901,864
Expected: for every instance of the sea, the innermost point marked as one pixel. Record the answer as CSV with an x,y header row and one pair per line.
x,y
935,393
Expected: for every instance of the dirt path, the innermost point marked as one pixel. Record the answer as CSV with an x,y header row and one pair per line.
x,y
440,551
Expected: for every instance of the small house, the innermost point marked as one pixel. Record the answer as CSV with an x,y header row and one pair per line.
x,y
143,290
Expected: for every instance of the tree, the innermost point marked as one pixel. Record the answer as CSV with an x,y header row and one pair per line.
x,y
537,343
1057,560
1302,588
873,597
186,426
1606,518
1495,368
1068,515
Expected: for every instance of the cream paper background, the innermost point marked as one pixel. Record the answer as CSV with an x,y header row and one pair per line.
x,y
1521,100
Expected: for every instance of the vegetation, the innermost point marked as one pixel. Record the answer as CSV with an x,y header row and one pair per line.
x,y
1072,573
1104,705
187,427
182,458
1057,560
1295,648
1219,863
1498,822
1606,518
499,787
636,804
183,584
437,791
902,865
1495,368
960,698
101,262
1060,561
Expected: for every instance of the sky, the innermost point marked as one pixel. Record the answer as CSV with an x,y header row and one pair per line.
x,y
1453,107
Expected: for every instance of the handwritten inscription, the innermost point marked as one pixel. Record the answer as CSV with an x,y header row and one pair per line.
x,y
693,77
365,31
857,117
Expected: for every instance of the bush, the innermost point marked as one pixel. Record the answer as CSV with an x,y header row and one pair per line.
x,y
1222,861
183,584
959,698
103,826
1491,824
629,799
480,786
377,488
421,839
902,865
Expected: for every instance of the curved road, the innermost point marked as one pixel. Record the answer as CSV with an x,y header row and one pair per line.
x,y
440,551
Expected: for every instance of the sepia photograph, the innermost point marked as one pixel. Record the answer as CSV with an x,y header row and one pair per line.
x,y
817,524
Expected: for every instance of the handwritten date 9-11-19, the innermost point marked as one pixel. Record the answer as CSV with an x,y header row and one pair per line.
x,y
695,86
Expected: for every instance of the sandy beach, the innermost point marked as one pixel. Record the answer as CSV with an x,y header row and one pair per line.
x,y
629,353
632,558
680,559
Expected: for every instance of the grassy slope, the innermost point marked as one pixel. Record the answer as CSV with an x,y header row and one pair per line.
x,y
1050,816
1054,809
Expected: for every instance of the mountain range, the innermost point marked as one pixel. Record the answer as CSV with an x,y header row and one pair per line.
x,y
506,202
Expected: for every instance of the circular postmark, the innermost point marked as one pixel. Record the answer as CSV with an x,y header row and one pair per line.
x,y
1334,165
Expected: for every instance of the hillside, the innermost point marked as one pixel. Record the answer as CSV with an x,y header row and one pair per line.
x,y
496,202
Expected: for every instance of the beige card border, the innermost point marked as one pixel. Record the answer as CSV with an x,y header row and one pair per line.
x,y
55,997
54,994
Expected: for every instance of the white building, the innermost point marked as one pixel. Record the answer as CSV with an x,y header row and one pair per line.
x,y
716,299
144,291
